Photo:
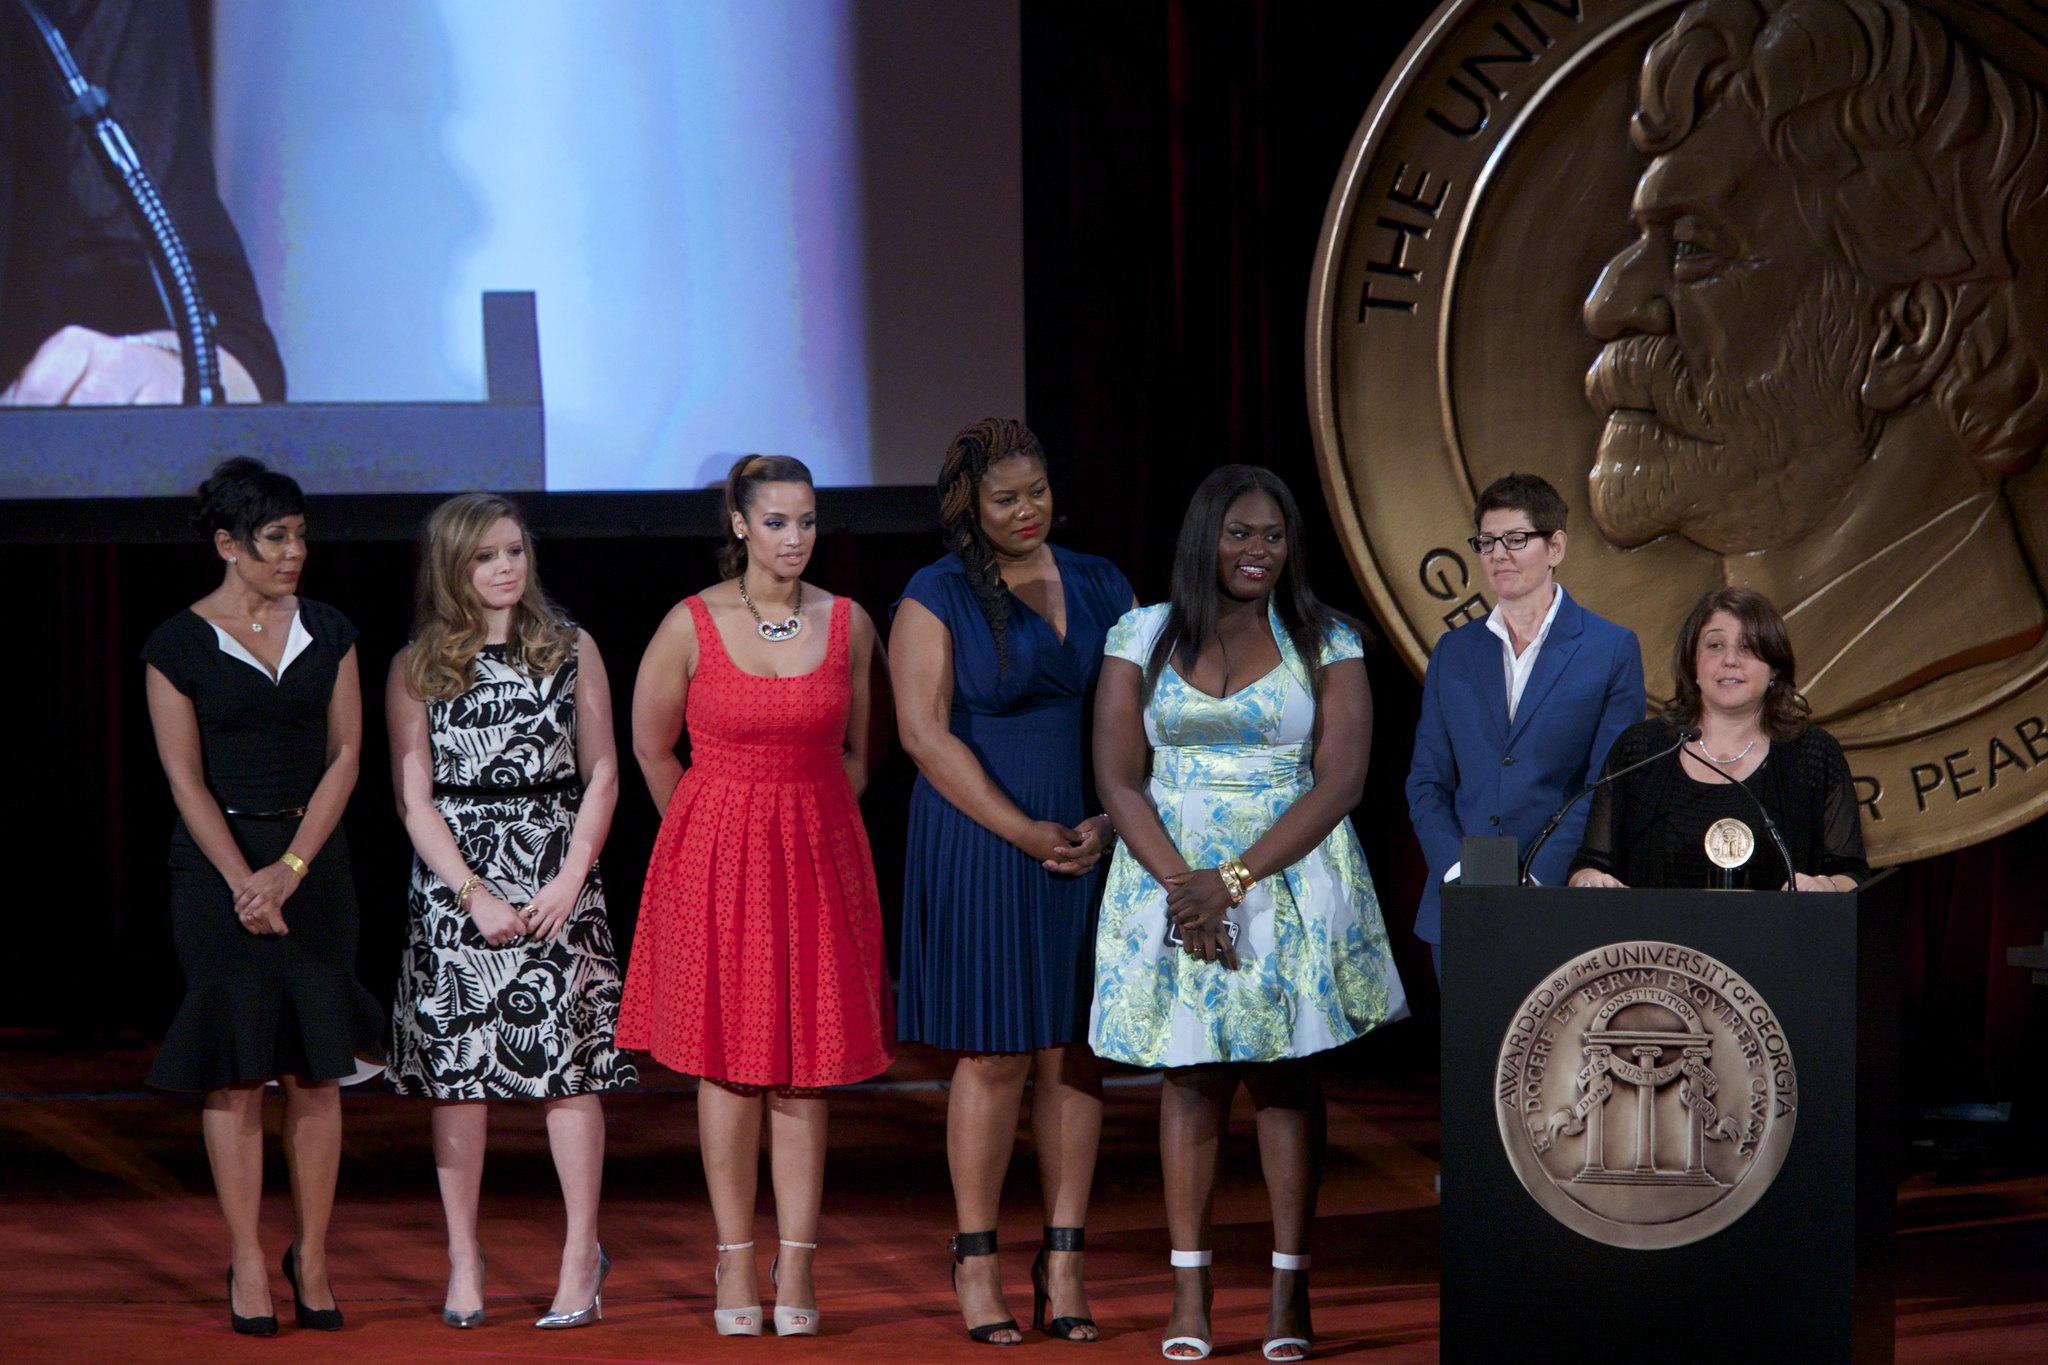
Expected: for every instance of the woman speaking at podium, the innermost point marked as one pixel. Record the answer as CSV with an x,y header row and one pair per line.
x,y
1700,812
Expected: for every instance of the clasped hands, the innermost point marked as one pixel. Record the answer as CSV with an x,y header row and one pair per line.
x,y
1198,904
1593,876
541,918
1066,851
259,900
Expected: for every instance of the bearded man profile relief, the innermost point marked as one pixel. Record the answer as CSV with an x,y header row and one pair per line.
x,y
1828,346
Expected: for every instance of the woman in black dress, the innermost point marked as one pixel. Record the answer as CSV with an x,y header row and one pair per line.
x,y
257,707
1735,721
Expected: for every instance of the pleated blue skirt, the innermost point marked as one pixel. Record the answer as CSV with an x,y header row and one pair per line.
x,y
998,952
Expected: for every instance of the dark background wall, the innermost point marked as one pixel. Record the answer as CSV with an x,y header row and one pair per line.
x,y
1178,157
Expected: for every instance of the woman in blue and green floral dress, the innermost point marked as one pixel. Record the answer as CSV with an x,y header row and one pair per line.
x,y
1239,934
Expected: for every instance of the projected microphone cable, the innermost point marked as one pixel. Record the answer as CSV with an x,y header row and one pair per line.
x,y
177,283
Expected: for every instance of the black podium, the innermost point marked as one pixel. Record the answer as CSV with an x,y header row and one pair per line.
x,y
1637,1059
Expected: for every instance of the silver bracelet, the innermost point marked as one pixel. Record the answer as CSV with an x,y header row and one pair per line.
x,y
140,339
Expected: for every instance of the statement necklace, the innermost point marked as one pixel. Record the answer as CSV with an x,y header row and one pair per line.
x,y
1701,745
768,630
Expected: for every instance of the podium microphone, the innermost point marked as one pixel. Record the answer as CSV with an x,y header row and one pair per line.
x,y
1686,735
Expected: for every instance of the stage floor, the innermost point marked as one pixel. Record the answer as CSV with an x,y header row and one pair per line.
x,y
111,1247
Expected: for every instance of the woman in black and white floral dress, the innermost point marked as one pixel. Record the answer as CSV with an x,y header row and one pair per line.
x,y
507,775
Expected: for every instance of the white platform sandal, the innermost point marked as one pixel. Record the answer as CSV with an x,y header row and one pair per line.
x,y
1188,1348
792,1322
1289,1348
734,1322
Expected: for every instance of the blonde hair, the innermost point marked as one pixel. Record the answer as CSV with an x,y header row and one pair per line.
x,y
448,620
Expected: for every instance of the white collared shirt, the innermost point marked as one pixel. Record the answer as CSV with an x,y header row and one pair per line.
x,y
1519,669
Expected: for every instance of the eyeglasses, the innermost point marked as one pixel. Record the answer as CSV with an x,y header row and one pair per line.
x,y
1514,540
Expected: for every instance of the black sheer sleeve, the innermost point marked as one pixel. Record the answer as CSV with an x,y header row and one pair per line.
x,y
1839,837
1604,846
74,254
1597,851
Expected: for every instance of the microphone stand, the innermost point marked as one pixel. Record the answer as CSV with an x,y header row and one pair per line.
x,y
1686,735
185,306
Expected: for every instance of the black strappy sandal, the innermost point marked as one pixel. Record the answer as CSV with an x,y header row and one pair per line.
x,y
963,1245
1062,1329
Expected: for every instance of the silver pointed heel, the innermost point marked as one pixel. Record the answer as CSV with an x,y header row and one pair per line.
x,y
590,1312
734,1322
475,1317
792,1322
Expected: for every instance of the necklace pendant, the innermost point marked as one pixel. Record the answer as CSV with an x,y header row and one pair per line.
x,y
768,630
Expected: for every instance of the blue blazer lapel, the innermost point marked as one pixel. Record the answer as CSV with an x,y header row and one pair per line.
x,y
1490,685
1558,648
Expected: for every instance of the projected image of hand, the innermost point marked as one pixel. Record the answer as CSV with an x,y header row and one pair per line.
x,y
78,366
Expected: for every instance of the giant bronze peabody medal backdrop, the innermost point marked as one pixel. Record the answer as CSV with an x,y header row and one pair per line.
x,y
1763,289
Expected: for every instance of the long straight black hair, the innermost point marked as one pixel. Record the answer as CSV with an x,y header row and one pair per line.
x,y
1192,613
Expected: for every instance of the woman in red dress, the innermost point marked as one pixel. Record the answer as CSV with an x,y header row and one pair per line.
x,y
758,964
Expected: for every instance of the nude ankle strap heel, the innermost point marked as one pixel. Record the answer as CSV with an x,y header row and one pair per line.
x,y
734,1322
792,1322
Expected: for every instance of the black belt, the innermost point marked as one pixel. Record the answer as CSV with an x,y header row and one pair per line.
x,y
288,813
559,787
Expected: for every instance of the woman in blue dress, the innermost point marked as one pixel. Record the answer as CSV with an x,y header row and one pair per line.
x,y
992,654
1239,933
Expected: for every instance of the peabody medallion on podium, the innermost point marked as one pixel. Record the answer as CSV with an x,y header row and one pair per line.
x,y
1646,1094
1729,844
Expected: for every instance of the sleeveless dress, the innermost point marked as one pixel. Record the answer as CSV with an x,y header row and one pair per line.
x,y
995,948
259,1006
758,959
525,1020
1314,969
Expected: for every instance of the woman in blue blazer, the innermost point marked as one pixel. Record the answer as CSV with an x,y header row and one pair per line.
x,y
1519,708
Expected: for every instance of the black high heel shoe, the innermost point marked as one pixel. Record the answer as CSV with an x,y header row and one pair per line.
x,y
265,1326
318,1319
963,1245
1062,1329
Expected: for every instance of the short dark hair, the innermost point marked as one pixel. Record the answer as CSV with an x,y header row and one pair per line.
x,y
243,497
742,481
1524,493
1785,711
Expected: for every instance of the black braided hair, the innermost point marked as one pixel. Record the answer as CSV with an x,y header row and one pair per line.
x,y
974,450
